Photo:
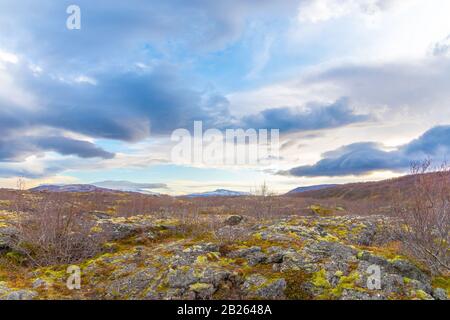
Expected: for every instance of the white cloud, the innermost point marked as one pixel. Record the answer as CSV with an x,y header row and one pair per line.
x,y
8,57
86,79
322,10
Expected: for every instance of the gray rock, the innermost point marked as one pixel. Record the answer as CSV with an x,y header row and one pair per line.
x,y
181,277
253,255
7,236
38,283
20,295
258,286
214,276
334,250
407,269
440,294
276,254
202,290
131,286
373,259
233,220
358,295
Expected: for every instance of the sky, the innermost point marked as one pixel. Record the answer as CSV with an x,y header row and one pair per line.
x,y
358,89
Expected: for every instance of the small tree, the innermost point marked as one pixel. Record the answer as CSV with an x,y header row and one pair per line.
x,y
424,216
268,202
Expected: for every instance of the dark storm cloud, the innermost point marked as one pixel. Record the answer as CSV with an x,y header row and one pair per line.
x,y
366,157
131,105
317,117
16,149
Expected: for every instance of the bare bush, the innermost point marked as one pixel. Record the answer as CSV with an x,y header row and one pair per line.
x,y
424,217
57,233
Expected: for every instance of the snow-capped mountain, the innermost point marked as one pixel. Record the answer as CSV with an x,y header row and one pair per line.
x,y
70,188
103,186
127,186
219,193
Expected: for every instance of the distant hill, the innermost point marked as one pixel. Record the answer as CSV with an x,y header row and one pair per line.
x,y
103,186
70,188
380,190
218,193
311,188
127,186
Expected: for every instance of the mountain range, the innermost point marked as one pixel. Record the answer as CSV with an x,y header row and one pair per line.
x,y
218,193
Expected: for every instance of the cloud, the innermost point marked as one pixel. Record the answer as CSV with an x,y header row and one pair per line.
x,y
124,105
322,10
66,146
131,105
421,87
105,26
16,149
442,48
417,84
366,157
288,119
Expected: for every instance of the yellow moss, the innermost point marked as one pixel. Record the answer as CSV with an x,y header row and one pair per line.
x,y
388,251
420,294
443,283
328,238
294,235
346,282
338,273
96,229
257,236
213,256
320,210
15,257
199,286
319,279
201,260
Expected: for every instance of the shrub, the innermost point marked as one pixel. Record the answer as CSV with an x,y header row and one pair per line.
x,y
56,233
424,218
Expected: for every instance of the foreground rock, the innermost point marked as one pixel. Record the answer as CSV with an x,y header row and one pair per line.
x,y
291,258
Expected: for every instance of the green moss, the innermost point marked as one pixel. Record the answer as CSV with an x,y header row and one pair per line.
x,y
16,257
422,295
320,280
321,211
199,286
442,282
257,236
329,238
338,273
346,282
406,280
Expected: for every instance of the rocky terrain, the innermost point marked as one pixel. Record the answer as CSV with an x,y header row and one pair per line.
x,y
287,258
